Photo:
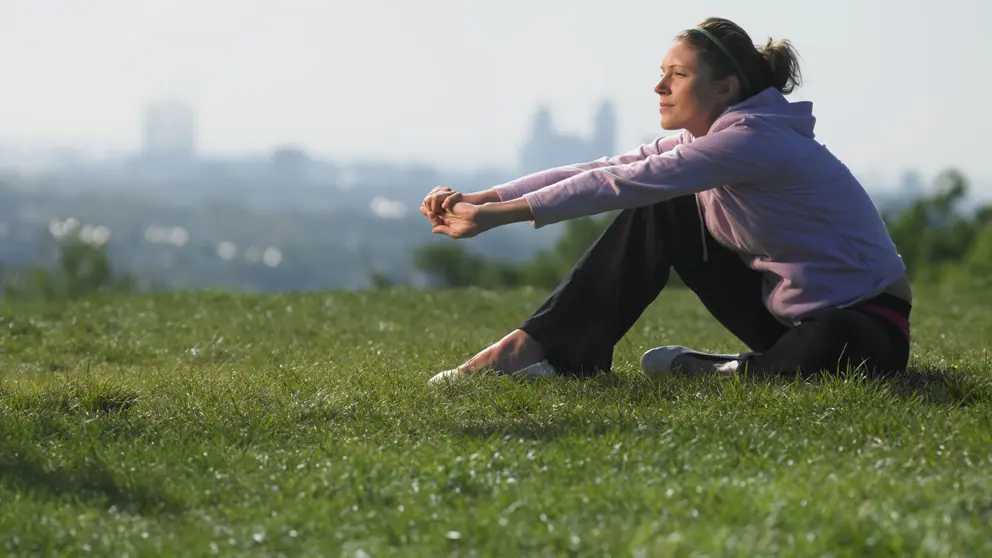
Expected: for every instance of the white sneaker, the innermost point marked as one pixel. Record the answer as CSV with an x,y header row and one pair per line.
x,y
447,377
540,370
664,361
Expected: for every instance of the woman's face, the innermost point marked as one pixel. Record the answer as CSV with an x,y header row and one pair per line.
x,y
690,98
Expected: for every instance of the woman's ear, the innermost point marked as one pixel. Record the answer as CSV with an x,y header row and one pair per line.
x,y
729,89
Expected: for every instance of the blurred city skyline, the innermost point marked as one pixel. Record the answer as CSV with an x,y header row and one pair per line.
x,y
457,85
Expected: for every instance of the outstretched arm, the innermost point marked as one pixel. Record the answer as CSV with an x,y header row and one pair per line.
x,y
533,182
732,155
441,199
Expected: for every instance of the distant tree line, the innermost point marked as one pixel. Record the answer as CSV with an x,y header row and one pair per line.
x,y
221,245
81,269
451,264
941,238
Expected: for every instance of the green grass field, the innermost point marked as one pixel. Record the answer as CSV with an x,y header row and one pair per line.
x,y
301,425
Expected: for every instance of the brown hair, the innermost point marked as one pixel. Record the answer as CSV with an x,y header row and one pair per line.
x,y
774,65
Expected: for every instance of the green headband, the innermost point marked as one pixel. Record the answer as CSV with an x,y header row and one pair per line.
x,y
740,71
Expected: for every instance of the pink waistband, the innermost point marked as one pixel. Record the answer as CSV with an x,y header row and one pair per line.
x,y
900,321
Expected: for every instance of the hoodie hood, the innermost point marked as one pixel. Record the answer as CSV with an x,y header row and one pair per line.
x,y
771,107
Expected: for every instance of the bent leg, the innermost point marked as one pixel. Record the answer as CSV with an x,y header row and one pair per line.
x,y
732,292
625,270
605,292
836,341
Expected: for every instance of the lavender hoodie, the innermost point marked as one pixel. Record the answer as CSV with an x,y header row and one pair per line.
x,y
764,188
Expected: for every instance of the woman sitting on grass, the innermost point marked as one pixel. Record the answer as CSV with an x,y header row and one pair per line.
x,y
772,232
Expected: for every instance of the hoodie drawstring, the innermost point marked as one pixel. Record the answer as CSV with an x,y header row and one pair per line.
x,y
702,228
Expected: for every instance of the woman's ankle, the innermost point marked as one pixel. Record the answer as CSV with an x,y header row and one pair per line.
x,y
513,352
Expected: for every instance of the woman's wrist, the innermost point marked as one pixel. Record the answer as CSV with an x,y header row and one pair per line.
x,y
497,214
482,197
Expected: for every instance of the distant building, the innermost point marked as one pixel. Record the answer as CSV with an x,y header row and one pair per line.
x,y
546,147
169,132
290,165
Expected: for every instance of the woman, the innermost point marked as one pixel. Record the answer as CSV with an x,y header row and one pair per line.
x,y
774,234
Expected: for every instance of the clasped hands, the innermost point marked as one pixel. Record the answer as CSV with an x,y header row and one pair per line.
x,y
454,214
466,215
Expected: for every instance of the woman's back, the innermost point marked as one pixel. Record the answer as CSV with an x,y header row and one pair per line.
x,y
802,217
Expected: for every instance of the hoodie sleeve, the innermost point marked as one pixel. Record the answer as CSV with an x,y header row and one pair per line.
x,y
517,188
731,155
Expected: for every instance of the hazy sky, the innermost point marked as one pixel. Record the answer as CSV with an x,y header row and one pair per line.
x,y
455,83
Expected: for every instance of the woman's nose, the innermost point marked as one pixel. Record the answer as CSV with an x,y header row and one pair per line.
x,y
661,87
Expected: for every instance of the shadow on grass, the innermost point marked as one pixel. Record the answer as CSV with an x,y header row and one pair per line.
x,y
85,479
86,476
75,396
928,385
937,386
924,385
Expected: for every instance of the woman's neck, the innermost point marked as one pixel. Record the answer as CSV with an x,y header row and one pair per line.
x,y
702,128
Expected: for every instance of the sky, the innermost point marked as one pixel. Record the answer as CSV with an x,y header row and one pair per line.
x,y
900,84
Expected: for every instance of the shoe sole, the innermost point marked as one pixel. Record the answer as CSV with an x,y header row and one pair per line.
x,y
657,363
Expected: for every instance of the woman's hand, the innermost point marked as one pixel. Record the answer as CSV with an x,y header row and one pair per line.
x,y
441,198
465,220
461,220
432,205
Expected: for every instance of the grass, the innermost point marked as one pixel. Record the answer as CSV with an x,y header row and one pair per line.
x,y
301,425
